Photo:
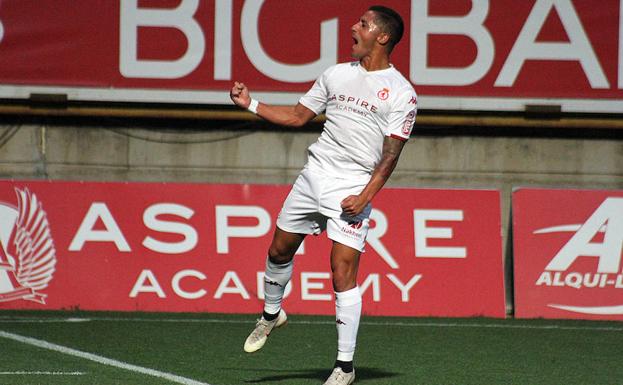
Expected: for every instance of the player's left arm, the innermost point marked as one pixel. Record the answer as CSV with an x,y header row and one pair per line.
x,y
353,205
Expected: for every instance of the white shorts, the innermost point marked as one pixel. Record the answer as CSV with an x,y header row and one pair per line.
x,y
313,205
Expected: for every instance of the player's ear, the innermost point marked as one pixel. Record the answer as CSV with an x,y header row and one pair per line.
x,y
383,38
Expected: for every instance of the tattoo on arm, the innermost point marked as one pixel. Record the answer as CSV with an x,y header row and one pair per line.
x,y
389,157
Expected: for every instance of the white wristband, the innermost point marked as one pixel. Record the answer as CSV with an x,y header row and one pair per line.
x,y
253,106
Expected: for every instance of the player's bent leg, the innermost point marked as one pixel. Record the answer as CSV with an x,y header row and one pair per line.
x,y
279,264
278,272
284,246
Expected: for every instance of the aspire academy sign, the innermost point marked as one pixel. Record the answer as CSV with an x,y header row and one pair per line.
x,y
567,253
198,247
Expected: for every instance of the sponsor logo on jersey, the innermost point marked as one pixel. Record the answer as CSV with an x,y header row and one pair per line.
x,y
383,94
408,123
27,253
348,101
413,100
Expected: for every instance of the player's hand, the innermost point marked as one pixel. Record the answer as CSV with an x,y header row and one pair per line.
x,y
239,94
353,205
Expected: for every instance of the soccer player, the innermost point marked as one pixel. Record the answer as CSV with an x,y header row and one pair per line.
x,y
370,111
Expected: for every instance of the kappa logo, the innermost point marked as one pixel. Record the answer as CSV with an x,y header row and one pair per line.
x,y
340,322
606,220
383,94
272,283
27,253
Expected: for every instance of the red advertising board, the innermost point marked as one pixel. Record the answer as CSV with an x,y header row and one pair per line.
x,y
567,253
467,54
202,248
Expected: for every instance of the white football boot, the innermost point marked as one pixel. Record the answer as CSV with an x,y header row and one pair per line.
x,y
338,377
262,330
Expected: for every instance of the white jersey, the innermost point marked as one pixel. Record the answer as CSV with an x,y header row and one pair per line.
x,y
362,108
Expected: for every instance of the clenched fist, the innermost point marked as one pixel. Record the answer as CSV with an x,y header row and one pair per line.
x,y
239,94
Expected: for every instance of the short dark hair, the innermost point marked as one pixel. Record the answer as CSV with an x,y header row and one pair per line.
x,y
390,22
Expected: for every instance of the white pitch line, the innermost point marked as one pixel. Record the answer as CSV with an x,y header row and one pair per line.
x,y
99,359
318,322
40,373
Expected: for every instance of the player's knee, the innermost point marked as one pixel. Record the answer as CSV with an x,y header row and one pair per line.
x,y
344,276
279,254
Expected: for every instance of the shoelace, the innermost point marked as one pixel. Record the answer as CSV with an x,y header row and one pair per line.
x,y
338,374
262,322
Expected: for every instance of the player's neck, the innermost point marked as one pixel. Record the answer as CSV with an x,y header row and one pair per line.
x,y
375,62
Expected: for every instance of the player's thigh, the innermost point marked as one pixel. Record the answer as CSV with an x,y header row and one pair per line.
x,y
299,213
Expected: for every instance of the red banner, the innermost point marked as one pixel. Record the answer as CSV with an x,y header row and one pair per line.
x,y
197,247
469,54
567,253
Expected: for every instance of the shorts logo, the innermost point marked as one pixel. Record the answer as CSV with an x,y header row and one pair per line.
x,y
353,229
355,225
27,253
383,94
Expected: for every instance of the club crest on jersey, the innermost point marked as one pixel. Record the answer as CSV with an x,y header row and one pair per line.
x,y
383,94
27,253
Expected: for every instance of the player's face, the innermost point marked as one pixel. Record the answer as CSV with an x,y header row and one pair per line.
x,y
364,33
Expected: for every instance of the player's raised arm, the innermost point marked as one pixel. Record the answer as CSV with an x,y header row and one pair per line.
x,y
293,116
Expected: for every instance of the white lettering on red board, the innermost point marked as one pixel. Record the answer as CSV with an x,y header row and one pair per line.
x,y
99,212
424,232
182,19
607,218
313,286
578,48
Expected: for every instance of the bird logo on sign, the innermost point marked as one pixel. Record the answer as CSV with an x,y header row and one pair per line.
x,y
27,253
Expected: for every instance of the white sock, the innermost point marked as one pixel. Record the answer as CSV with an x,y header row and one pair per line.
x,y
347,315
276,277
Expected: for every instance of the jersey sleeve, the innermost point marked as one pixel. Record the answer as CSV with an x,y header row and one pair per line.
x,y
401,118
316,98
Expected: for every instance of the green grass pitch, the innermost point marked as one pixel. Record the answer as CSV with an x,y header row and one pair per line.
x,y
67,348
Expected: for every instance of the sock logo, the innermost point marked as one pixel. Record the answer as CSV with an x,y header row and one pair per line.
x,y
340,322
272,283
